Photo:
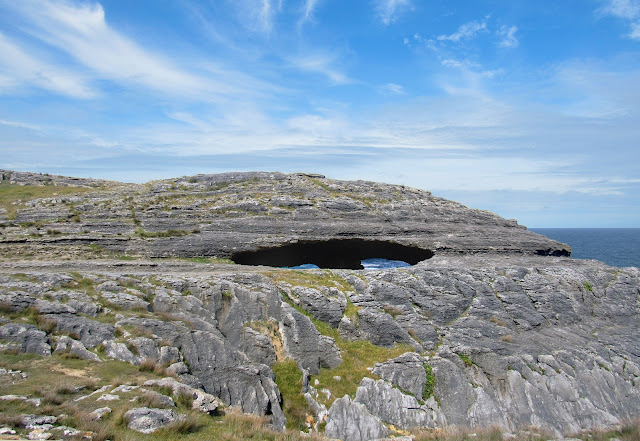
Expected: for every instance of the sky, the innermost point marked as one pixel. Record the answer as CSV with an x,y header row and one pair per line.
x,y
527,109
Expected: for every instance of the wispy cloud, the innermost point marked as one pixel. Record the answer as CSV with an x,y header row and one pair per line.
x,y
392,88
627,10
389,10
93,51
24,70
507,36
307,11
465,31
19,125
322,63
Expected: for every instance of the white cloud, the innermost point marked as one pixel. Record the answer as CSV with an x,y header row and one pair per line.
x,y
389,10
21,69
308,10
627,10
395,89
82,33
465,31
508,36
324,64
19,124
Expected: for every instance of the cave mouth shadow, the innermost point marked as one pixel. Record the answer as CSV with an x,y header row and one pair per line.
x,y
331,253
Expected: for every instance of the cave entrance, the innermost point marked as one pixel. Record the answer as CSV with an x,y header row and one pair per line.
x,y
332,253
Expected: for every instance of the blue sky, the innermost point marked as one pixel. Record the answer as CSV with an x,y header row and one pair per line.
x,y
528,109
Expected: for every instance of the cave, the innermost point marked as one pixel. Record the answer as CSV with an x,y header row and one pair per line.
x,y
332,253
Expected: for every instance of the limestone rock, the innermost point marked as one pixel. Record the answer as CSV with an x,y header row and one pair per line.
x,y
351,421
68,345
392,406
406,371
148,420
26,338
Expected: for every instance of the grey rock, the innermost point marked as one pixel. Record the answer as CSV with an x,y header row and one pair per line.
x,y
91,332
146,348
202,401
303,342
406,371
179,368
325,304
161,400
119,351
99,413
350,421
258,347
38,421
126,301
392,406
32,401
47,307
169,355
16,301
148,420
66,344
26,338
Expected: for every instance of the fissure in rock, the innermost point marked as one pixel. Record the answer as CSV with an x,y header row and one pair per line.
x,y
332,253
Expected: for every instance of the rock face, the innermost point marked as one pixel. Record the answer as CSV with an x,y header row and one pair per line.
x,y
494,334
264,218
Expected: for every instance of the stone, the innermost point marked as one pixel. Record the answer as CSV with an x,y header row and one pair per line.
x,y
99,413
350,421
406,371
202,401
119,351
392,406
91,332
148,420
70,346
27,338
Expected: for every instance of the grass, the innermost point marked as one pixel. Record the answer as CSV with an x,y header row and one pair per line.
x,y
13,196
289,381
465,358
430,384
357,356
588,286
309,278
59,380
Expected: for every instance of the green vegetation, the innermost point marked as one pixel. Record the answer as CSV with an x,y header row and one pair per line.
x,y
13,196
289,381
588,286
69,378
430,383
465,358
309,278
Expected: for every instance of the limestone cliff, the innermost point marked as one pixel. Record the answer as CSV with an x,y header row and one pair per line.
x,y
490,329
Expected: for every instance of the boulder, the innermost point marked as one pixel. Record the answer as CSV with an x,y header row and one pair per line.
x,y
350,421
148,420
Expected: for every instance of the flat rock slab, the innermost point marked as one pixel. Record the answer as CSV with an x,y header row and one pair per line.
x,y
148,420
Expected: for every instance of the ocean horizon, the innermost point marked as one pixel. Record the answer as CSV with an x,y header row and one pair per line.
x,y
614,246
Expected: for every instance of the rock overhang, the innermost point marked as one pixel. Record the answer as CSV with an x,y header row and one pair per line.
x,y
331,253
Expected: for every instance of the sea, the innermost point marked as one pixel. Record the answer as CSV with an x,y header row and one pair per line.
x,y
613,246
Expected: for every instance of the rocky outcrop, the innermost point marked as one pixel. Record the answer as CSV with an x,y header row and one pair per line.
x,y
494,334
350,421
261,218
